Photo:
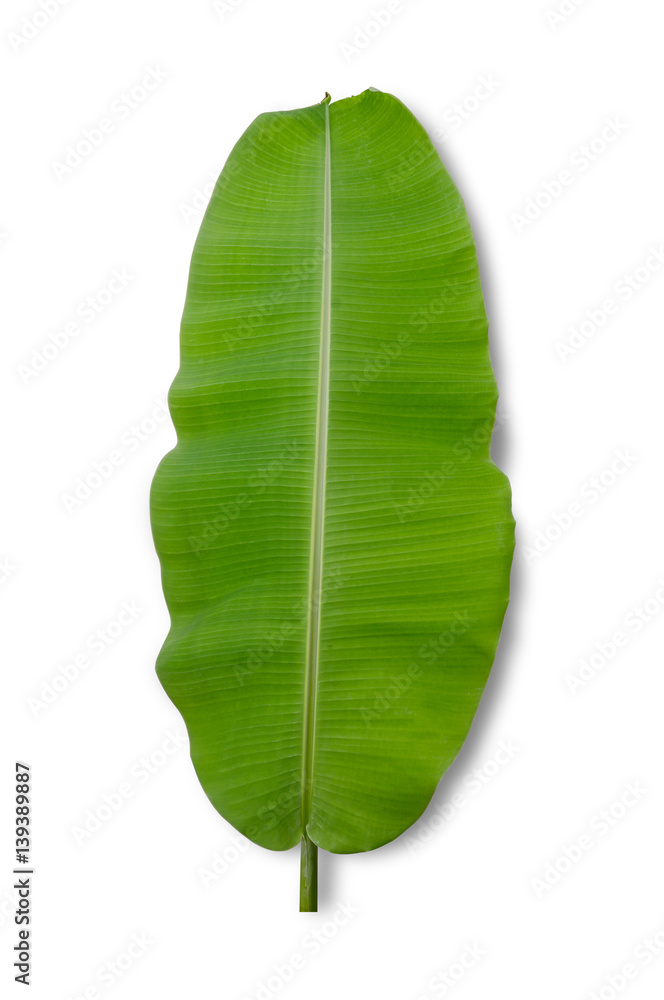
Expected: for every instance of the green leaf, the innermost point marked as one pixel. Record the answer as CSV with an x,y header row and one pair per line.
x,y
335,541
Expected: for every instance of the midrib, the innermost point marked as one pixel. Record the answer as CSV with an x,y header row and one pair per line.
x,y
318,511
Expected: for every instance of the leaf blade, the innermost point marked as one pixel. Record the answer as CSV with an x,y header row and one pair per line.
x,y
400,409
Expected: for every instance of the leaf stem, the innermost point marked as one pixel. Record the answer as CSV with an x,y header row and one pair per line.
x,y
308,875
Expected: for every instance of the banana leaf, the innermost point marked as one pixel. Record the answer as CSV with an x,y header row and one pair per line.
x,y
335,542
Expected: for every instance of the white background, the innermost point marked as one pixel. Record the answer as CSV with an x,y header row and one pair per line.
x,y
471,873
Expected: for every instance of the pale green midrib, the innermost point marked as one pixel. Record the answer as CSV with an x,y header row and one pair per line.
x,y
318,507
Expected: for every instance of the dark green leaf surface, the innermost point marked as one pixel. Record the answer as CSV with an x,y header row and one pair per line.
x,y
335,541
